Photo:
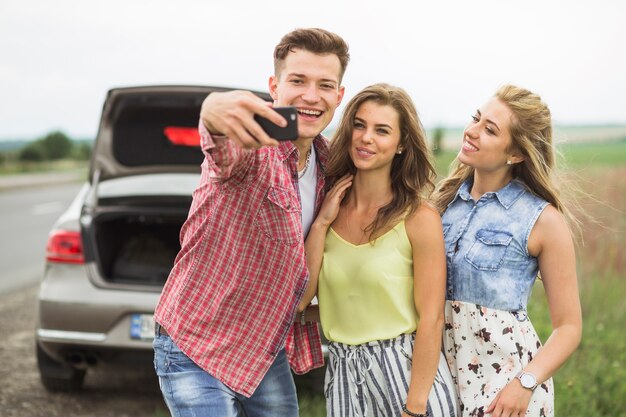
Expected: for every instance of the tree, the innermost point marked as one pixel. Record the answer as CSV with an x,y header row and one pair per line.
x,y
437,140
33,152
56,145
82,151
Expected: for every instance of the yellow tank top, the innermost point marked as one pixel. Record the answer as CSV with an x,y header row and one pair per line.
x,y
365,291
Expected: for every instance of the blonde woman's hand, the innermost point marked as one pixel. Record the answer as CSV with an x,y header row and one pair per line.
x,y
512,400
332,201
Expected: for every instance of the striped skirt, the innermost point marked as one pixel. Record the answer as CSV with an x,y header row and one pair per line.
x,y
372,379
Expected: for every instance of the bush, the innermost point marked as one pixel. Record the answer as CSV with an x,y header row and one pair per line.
x,y
56,145
33,152
81,151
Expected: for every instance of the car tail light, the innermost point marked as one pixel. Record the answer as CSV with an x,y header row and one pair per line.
x,y
182,136
64,246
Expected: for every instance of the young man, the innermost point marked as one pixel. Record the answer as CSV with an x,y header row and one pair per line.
x,y
225,333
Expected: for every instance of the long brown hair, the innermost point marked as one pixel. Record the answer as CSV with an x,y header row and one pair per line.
x,y
531,134
412,172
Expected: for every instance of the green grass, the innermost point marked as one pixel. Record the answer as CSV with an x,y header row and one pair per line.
x,y
443,161
593,381
588,154
571,156
311,405
16,168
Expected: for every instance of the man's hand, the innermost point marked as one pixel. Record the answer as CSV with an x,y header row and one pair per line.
x,y
232,114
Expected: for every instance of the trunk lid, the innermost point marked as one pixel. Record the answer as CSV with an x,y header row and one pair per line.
x,y
151,129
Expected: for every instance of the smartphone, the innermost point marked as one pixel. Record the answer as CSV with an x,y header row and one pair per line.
x,y
289,132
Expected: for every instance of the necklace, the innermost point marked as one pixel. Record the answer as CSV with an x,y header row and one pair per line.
x,y
306,164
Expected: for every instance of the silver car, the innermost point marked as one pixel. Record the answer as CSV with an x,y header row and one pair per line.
x,y
110,253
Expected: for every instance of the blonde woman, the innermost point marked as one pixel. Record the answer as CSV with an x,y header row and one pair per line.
x,y
377,247
505,224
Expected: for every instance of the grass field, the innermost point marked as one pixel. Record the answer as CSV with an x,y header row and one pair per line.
x,y
594,154
593,382
19,168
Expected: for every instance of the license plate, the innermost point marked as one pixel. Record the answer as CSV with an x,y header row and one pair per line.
x,y
142,326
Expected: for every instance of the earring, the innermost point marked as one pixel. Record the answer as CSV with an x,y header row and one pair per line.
x,y
508,162
399,152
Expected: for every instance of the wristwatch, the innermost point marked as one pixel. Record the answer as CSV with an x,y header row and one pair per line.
x,y
527,380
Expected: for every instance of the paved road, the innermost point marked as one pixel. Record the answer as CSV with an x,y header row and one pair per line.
x,y
26,216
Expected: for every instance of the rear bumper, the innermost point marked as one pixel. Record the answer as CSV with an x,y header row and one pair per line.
x,y
75,314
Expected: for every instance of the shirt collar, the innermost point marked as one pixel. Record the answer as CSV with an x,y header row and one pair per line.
x,y
464,191
506,195
287,148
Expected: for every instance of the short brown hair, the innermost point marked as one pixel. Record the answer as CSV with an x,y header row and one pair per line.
x,y
315,40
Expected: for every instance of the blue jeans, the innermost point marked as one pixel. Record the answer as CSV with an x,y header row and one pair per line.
x,y
189,390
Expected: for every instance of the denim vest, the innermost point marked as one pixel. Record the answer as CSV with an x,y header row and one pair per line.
x,y
487,246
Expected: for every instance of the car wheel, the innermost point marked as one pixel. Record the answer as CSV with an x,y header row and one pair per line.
x,y
57,376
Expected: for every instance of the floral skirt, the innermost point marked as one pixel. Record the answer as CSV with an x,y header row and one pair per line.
x,y
485,349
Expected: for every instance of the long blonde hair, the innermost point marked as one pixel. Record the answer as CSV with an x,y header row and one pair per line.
x,y
531,134
412,173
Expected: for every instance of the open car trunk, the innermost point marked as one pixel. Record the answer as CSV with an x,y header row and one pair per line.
x,y
135,243
130,221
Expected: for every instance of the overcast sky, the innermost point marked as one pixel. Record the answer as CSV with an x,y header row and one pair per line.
x,y
58,58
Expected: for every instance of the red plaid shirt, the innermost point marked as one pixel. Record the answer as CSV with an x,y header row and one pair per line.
x,y
230,300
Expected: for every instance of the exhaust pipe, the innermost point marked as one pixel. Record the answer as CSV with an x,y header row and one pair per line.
x,y
81,359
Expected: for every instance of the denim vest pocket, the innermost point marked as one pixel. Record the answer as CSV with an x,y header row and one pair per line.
x,y
487,252
279,216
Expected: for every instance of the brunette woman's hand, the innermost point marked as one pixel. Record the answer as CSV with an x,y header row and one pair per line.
x,y
314,244
332,201
512,400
